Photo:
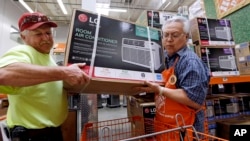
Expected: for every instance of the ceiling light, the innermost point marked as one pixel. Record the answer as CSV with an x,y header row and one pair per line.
x,y
105,11
102,5
102,11
118,10
26,6
167,5
62,7
104,8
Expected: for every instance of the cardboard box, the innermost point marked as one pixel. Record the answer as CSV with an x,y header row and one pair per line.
x,y
206,31
154,18
242,51
143,107
243,63
219,59
119,55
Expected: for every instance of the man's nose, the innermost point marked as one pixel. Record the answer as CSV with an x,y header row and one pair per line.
x,y
169,38
46,36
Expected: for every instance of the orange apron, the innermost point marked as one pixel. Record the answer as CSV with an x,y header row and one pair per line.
x,y
166,110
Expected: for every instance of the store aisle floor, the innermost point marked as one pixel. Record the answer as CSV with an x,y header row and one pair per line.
x,y
107,113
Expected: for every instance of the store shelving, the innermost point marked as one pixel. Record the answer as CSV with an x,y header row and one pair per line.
x,y
229,79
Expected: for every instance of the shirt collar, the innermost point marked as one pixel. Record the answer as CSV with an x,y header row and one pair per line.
x,y
179,53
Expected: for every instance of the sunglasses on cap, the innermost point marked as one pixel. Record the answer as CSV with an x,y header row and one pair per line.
x,y
34,19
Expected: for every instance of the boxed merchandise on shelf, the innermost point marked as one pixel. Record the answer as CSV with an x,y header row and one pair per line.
x,y
244,105
243,102
119,55
227,106
206,31
220,59
243,57
242,49
154,18
222,107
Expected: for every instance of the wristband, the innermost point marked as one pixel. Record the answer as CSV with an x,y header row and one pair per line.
x,y
161,91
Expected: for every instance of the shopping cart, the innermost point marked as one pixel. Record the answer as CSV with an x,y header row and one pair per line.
x,y
142,129
112,130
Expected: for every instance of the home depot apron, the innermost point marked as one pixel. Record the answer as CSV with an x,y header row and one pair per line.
x,y
169,113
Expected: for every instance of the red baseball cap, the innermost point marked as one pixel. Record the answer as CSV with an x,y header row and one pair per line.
x,y
32,21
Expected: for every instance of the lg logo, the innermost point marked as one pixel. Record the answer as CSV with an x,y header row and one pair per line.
x,y
84,18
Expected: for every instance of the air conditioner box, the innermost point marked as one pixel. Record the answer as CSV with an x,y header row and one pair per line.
x,y
221,60
205,31
119,55
154,18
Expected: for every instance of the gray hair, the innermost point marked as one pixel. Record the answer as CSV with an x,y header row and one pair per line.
x,y
180,19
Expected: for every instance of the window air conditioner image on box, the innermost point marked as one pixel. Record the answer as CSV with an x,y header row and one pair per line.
x,y
223,33
227,62
137,52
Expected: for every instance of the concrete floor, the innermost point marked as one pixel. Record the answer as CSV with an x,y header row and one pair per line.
x,y
108,113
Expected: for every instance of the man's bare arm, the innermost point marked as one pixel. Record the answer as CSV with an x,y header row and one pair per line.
x,y
22,74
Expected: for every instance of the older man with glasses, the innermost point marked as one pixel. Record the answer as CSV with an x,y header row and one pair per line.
x,y
35,85
186,76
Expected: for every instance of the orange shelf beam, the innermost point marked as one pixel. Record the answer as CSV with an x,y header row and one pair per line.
x,y
229,79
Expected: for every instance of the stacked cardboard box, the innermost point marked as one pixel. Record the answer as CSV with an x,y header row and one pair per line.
x,y
220,59
143,106
215,45
243,101
207,31
243,57
119,55
154,18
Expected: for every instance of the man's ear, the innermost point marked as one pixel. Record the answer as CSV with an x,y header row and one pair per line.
x,y
22,36
161,35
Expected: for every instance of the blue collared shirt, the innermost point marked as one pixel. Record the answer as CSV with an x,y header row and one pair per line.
x,y
192,76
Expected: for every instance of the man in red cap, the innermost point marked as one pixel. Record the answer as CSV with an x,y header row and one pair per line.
x,y
35,85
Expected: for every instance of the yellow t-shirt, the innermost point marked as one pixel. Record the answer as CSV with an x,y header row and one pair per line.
x,y
38,106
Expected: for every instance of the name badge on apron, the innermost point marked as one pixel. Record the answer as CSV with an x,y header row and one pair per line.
x,y
172,79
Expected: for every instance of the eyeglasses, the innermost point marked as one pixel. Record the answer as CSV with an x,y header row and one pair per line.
x,y
173,35
34,19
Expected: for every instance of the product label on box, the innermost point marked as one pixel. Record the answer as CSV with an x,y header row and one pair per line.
x,y
149,114
115,49
149,111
